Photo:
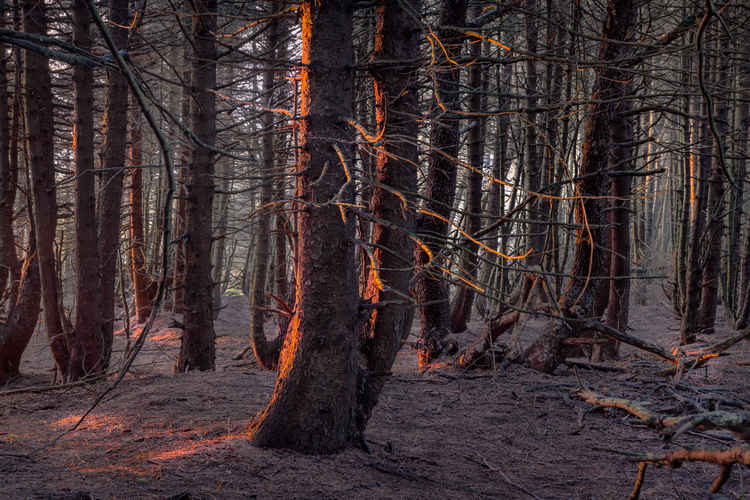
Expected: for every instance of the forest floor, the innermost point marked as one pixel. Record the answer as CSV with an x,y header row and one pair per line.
x,y
440,434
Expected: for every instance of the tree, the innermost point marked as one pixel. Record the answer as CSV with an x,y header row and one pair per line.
x,y
602,131
396,106
41,155
111,185
464,300
312,408
198,349
432,226
266,352
86,350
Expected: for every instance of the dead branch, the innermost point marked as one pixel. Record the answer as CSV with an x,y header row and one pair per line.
x,y
724,458
635,408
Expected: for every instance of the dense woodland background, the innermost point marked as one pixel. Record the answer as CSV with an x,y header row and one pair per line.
x,y
352,166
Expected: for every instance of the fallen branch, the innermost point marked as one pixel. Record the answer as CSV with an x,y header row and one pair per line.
x,y
724,458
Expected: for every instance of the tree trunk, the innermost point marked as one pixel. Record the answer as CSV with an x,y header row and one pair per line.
x,y
621,158
23,315
396,106
198,348
312,408
39,123
715,205
110,202
180,214
430,289
266,352
8,178
610,88
690,325
86,348
142,281
464,300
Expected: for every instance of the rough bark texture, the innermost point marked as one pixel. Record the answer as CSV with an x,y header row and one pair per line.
x,y
198,349
396,106
110,202
23,314
312,409
581,293
86,345
41,154
430,289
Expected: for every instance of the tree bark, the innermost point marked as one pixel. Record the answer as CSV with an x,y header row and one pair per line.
x,y
610,87
396,108
430,289
715,204
111,187
23,315
198,348
464,300
312,409
86,350
142,281
39,121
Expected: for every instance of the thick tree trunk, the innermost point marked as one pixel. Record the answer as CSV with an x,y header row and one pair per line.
x,y
430,289
312,409
23,315
198,349
611,87
110,202
396,107
39,123
86,350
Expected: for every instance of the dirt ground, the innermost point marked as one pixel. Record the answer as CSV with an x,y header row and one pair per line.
x,y
441,434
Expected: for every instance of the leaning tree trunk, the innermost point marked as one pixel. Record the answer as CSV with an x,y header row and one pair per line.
x,y
432,226
23,315
86,350
610,87
312,408
198,348
39,122
396,109
110,202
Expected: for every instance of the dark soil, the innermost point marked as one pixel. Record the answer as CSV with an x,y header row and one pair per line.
x,y
442,434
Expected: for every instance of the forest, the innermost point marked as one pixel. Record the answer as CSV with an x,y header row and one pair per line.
x,y
374,249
